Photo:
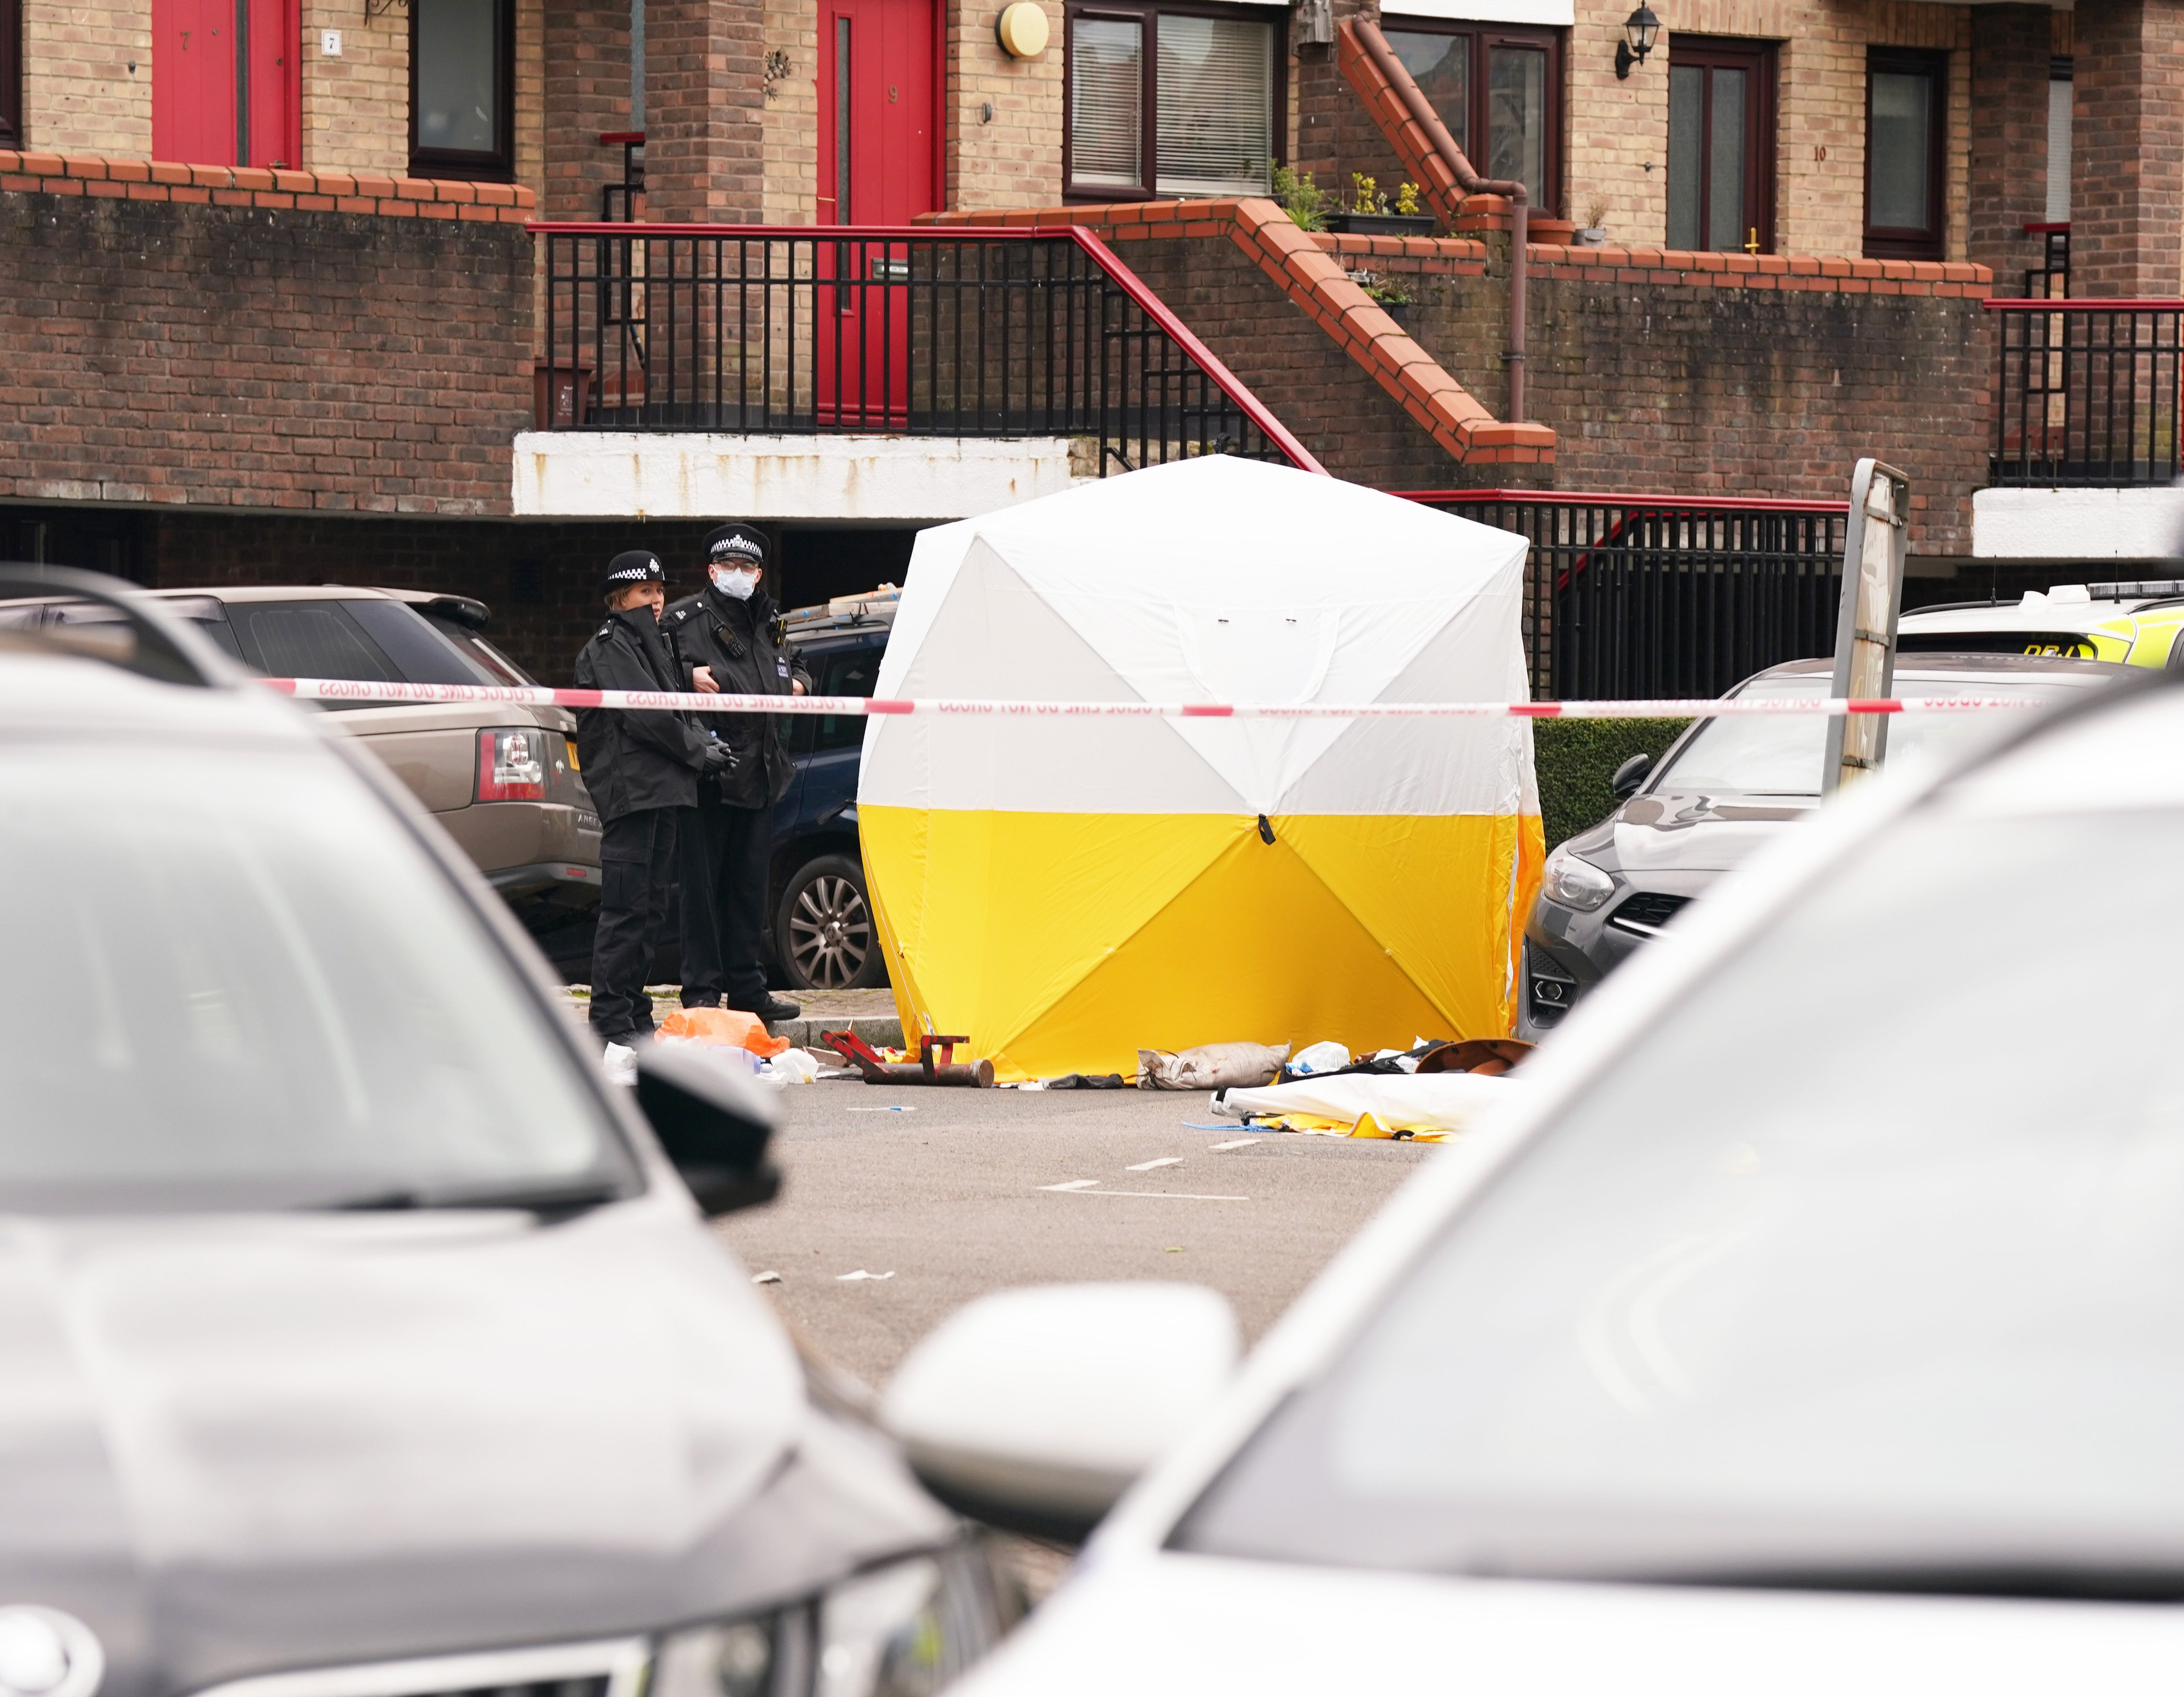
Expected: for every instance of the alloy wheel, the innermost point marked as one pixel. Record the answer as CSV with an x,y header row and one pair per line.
x,y
830,932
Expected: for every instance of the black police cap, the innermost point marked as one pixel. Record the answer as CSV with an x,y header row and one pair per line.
x,y
635,565
735,544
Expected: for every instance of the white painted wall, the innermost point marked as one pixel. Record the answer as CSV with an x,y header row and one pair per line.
x,y
2078,524
583,474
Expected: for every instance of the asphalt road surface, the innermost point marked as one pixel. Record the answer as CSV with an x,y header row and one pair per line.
x,y
963,1193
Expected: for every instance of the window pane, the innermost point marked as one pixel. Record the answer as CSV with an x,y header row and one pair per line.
x,y
1517,119
1902,132
458,75
1686,132
1106,101
312,639
2058,151
1215,117
1725,225
1441,67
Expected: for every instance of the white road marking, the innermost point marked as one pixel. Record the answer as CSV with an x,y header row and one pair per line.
x,y
765,1278
1073,1184
1147,1166
1236,1143
861,1274
881,1108
1080,1189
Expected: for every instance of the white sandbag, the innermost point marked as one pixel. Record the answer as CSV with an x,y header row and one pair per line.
x,y
1209,1066
1400,1102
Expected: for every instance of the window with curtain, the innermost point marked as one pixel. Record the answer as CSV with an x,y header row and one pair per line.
x,y
461,84
1497,89
1172,102
1721,145
1906,121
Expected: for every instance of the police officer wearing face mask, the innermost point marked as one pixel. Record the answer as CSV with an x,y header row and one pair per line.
x,y
727,640
643,770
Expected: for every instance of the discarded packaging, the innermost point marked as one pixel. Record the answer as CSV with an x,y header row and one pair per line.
x,y
1211,1066
1083,1081
620,1064
795,1066
1317,1058
1394,1102
724,1027
928,1070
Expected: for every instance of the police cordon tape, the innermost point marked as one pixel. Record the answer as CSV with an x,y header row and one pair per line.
x,y
665,701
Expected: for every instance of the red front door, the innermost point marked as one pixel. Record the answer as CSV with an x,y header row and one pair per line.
x,y
225,82
879,119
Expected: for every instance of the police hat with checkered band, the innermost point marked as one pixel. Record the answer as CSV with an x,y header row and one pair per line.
x,y
637,566
736,544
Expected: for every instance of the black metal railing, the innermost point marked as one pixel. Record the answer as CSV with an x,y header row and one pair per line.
x,y
1635,597
917,331
2087,393
2052,276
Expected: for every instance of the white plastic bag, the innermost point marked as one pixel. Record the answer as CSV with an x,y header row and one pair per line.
x,y
792,1066
620,1061
1319,1058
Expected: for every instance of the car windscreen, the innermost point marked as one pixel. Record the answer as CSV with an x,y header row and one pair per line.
x,y
235,980
1864,1265
1765,756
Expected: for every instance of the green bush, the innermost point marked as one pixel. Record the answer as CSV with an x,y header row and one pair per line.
x,y
1576,757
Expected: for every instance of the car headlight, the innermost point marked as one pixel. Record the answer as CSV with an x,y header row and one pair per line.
x,y
1574,883
904,1630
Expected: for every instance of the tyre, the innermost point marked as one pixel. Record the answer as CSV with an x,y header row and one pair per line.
x,y
823,931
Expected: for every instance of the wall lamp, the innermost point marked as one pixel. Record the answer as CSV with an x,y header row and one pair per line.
x,y
1639,29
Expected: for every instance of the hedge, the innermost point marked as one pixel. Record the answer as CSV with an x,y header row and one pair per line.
x,y
1576,757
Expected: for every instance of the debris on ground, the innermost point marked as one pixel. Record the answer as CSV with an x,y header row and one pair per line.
x,y
722,1028
1086,1081
1425,1106
768,1277
1212,1066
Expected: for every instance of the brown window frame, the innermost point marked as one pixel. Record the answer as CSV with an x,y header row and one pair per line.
x,y
1147,14
1890,242
1546,199
466,165
1761,61
11,72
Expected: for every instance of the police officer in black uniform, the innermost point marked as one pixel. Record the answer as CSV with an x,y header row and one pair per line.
x,y
727,638
643,770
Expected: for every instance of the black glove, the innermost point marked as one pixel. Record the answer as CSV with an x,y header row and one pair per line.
x,y
719,760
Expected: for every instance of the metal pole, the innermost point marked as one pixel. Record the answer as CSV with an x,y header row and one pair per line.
x,y
1865,628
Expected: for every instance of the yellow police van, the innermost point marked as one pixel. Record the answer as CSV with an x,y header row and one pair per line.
x,y
2134,623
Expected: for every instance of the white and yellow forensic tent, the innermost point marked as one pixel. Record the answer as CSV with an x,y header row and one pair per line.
x,y
1068,891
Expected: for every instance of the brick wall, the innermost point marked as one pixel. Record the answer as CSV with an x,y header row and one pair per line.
x,y
1015,158
586,72
87,75
356,108
2009,138
791,120
1697,374
703,125
260,339
2127,152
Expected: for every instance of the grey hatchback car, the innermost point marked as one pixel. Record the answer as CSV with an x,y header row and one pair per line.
x,y
361,1340
1723,789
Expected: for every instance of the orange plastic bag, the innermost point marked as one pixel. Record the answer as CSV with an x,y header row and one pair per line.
x,y
723,1028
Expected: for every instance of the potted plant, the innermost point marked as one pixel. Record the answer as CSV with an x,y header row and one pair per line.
x,y
1594,233
1369,214
1386,294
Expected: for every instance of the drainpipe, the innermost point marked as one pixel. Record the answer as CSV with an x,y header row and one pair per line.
x,y
1469,181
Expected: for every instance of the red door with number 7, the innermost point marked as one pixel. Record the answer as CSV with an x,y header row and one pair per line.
x,y
878,124
227,82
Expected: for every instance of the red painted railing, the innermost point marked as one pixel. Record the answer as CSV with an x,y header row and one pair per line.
x,y
924,331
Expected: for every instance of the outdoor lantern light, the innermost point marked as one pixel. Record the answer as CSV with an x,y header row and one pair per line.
x,y
1639,29
1022,30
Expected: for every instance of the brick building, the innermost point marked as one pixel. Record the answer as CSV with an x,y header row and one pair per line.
x,y
272,307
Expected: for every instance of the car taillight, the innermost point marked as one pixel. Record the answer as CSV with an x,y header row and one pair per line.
x,y
511,766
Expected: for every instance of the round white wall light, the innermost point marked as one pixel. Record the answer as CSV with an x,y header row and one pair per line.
x,y
1022,29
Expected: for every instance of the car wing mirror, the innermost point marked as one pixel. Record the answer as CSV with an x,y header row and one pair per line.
x,y
713,1123
1034,1409
1630,775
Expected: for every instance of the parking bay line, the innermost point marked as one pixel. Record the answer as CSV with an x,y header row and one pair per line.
x,y
1147,1166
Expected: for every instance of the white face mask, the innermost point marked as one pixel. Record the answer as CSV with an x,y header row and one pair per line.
x,y
736,583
